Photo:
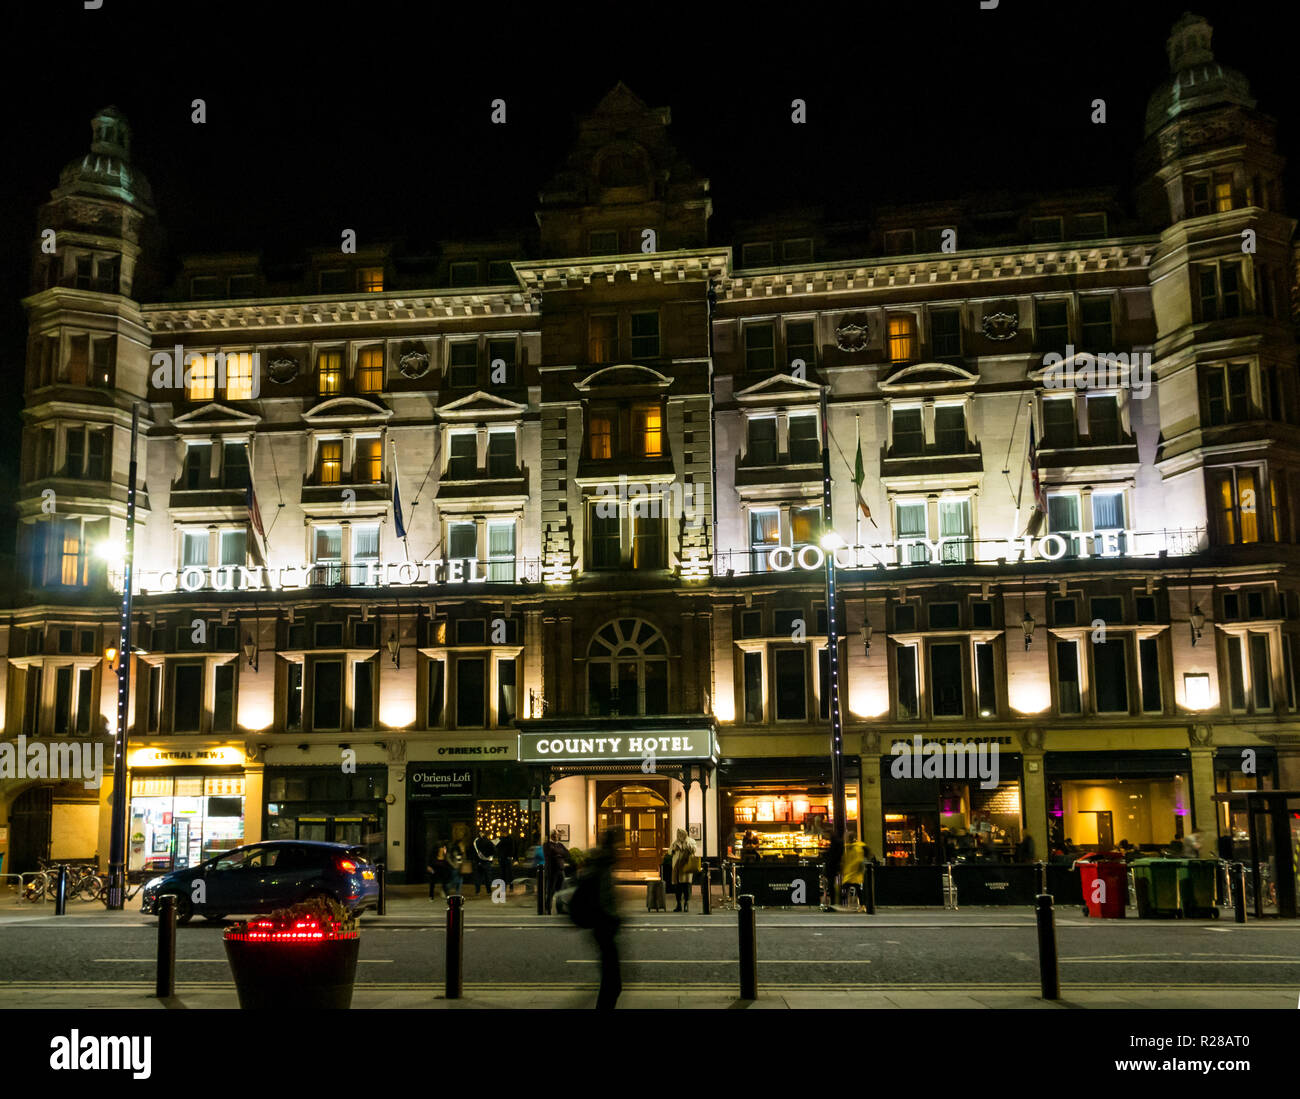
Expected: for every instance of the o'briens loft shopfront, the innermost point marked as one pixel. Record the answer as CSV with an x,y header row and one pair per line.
x,y
187,804
645,776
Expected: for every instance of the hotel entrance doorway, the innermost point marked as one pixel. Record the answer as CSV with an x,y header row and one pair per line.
x,y
641,810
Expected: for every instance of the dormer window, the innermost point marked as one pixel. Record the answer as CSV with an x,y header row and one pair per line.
x,y
334,281
464,273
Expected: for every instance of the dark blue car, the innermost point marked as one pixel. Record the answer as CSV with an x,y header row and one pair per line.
x,y
262,877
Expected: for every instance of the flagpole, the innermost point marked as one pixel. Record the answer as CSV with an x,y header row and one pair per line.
x,y
406,548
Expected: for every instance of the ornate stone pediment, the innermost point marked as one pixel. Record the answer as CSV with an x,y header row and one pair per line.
x,y
479,406
346,410
780,389
622,376
215,417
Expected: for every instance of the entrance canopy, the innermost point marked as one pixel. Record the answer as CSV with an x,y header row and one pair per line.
x,y
598,742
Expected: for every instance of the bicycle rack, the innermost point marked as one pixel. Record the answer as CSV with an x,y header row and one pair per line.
x,y
19,879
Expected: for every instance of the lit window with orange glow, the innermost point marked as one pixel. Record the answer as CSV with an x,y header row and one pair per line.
x,y
329,368
1222,196
370,370
239,377
331,463
600,435
372,280
202,377
370,461
902,339
1238,505
648,431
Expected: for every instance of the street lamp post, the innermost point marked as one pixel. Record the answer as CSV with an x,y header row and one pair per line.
x,y
121,799
838,810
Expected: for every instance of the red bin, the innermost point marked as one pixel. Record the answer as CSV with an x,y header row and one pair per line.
x,y
1110,897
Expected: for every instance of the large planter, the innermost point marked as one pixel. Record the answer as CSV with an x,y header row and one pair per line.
x,y
307,966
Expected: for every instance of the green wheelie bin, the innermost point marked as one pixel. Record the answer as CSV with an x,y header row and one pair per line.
x,y
1155,880
1197,887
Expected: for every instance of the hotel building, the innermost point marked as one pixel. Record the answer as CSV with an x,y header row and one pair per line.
x,y
606,443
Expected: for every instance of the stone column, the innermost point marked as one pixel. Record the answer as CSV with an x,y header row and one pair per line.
x,y
871,809
690,690
565,677
254,800
1034,791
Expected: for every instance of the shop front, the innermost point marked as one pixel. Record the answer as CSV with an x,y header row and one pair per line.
x,y
187,805
327,803
642,778
960,799
1099,800
1239,772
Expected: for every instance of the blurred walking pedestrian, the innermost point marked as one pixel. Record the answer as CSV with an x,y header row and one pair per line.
x,y
484,852
506,859
592,905
555,856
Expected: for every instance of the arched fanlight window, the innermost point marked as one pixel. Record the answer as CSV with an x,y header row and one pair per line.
x,y
627,669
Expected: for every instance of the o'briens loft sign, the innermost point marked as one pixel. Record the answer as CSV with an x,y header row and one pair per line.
x,y
455,570
566,747
942,551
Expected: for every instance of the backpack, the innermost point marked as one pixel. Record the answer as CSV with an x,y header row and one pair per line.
x,y
584,905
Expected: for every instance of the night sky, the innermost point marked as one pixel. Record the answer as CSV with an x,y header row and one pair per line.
x,y
376,116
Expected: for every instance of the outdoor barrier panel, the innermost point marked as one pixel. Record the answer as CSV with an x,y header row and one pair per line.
x,y
993,883
909,885
1064,884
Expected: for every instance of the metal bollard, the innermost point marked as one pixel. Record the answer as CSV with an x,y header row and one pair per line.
x,y
541,891
61,893
381,902
1237,882
1048,972
707,891
748,949
869,888
165,981
455,946
1042,876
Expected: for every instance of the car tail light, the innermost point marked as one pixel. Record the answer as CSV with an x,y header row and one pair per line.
x,y
347,866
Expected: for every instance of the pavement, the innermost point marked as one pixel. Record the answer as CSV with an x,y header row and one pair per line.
x,y
970,958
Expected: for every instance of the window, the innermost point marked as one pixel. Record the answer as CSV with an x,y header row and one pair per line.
x,y
368,468
334,281
649,549
75,449
363,694
1198,197
981,615
647,431
602,338
501,271
103,355
293,697
1063,517
902,338
900,242
950,428
764,535
239,376
202,287
462,455
63,700
1067,677
800,343
329,373
1222,195
905,618
365,550
501,452
1236,675
945,333
1058,422
910,523
645,335
799,250
1261,672
627,669
502,368
753,686
370,280
751,623
328,558
1052,324
605,525
1108,514
1095,317
908,433
501,551
603,242
194,549
187,697
96,458
1110,609
370,369
1043,230
1227,393
1220,291
1103,420
462,541
757,255
234,465
1149,672
955,529
464,273
223,698
233,547
908,688
760,348
947,686
600,435
805,526
463,362
791,692
804,444
201,374
1238,501
986,691
1089,226
762,441
327,694
824,684
198,463
507,691
331,462
435,696
944,616
1110,675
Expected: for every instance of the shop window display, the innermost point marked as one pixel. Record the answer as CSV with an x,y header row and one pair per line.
x,y
177,822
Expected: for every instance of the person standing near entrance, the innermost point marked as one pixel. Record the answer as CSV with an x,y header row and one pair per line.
x,y
484,853
682,852
506,859
554,855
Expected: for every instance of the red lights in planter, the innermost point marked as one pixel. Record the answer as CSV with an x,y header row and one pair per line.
x,y
305,930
